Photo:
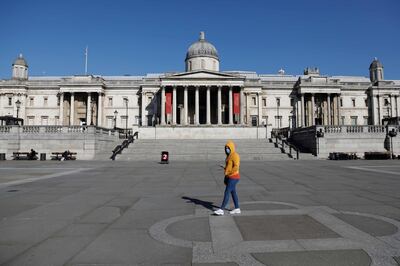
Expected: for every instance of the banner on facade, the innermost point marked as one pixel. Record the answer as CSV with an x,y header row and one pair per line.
x,y
168,103
236,103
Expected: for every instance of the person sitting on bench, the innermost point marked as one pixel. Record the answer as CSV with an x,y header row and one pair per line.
x,y
32,155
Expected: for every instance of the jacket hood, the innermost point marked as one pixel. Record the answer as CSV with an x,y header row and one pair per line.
x,y
231,146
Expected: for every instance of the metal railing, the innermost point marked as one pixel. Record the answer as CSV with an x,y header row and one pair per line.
x,y
125,144
286,147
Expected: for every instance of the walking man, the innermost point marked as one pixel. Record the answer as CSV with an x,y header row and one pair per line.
x,y
232,176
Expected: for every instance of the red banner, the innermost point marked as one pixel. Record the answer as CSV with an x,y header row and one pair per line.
x,y
168,103
236,103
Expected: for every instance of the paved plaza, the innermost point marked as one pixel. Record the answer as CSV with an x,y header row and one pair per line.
x,y
311,213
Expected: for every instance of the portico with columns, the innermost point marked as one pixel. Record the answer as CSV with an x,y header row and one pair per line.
x,y
317,101
77,107
201,98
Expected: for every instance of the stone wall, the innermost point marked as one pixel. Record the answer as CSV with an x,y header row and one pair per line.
x,y
349,139
88,142
210,132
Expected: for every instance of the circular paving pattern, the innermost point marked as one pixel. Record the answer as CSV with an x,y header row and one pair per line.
x,y
280,233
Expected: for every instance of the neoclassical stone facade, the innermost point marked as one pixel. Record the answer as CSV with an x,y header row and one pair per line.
x,y
202,96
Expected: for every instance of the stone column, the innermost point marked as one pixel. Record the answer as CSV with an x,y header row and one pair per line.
x,y
230,107
61,115
392,105
174,106
162,105
89,109
328,99
100,110
219,106
143,118
303,113
312,110
185,104
208,106
197,114
397,106
72,110
242,101
1,106
338,110
379,110
259,108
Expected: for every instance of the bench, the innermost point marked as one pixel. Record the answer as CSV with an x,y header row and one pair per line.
x,y
377,156
66,155
24,156
343,156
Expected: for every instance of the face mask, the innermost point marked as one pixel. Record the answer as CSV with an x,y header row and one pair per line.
x,y
227,151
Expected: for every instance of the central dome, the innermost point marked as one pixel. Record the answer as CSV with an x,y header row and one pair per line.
x,y
202,55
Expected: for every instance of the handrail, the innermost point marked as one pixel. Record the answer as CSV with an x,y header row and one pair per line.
x,y
119,148
283,147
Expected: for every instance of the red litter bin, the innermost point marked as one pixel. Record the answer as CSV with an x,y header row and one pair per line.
x,y
164,157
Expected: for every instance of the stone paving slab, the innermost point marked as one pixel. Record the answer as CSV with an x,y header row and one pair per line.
x,y
140,213
282,227
315,258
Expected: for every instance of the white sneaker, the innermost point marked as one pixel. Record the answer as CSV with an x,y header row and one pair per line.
x,y
219,212
235,211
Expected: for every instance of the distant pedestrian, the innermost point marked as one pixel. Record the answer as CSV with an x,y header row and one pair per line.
x,y
232,176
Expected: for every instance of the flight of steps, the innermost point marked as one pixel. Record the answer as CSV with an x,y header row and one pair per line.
x,y
201,150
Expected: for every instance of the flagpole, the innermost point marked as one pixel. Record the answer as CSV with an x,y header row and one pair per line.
x,y
86,59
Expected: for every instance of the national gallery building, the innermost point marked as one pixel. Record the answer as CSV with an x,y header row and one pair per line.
x,y
201,96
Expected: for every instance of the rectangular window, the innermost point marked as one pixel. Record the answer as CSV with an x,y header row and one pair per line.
x,y
254,121
291,102
366,102
353,102
45,120
264,102
9,101
342,120
278,102
123,121
110,122
31,120
45,100
110,101
353,120
253,99
366,118
341,102
31,101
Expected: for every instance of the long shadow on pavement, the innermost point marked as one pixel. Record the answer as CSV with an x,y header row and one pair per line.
x,y
206,204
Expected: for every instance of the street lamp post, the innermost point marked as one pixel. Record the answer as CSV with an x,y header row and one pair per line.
x,y
115,119
18,104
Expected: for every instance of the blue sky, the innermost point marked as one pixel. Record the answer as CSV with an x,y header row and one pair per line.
x,y
340,37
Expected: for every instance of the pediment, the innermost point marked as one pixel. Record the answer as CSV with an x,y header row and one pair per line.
x,y
203,74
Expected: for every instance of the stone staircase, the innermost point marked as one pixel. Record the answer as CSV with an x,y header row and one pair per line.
x,y
201,150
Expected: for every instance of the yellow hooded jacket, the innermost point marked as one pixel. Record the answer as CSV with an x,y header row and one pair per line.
x,y
232,162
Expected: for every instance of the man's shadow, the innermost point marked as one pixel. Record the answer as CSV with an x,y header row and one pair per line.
x,y
206,204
